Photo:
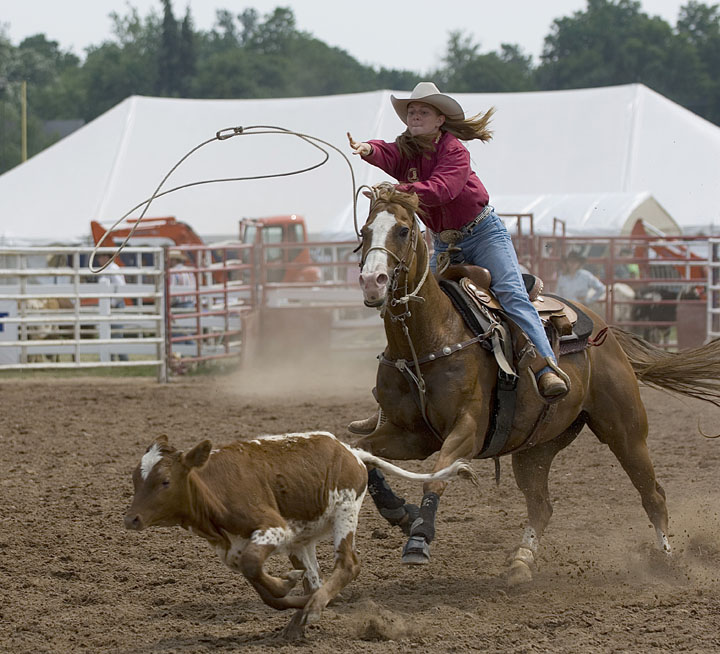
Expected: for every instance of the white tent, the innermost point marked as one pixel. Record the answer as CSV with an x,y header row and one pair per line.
x,y
588,213
618,141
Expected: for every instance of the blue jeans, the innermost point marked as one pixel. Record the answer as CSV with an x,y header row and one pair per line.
x,y
489,245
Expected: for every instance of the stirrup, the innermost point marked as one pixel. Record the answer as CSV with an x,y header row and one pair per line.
x,y
560,373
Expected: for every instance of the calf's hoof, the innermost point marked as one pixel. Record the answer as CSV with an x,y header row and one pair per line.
x,y
314,608
292,577
295,629
416,551
519,573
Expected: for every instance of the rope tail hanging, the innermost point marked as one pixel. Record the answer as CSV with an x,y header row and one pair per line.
x,y
224,135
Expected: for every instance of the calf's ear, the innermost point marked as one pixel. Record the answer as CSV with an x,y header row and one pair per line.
x,y
198,455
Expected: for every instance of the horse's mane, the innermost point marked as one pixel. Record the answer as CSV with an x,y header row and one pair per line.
x,y
387,195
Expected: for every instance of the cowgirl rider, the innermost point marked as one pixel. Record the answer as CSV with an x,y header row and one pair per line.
x,y
429,159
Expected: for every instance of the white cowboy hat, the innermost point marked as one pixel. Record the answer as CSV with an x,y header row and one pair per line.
x,y
176,255
428,93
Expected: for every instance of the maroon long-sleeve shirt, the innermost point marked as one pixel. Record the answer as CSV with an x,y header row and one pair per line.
x,y
450,191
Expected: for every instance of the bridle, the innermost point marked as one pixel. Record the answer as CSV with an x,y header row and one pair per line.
x,y
402,266
410,369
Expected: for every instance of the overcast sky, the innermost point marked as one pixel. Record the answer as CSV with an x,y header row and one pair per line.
x,y
402,35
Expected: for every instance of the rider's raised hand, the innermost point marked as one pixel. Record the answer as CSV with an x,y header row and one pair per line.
x,y
363,149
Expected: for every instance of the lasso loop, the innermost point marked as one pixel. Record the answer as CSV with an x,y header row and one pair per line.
x,y
224,135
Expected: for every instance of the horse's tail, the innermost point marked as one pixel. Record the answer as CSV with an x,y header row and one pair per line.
x,y
692,372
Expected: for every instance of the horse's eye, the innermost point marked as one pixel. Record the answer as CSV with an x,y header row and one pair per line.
x,y
166,483
404,231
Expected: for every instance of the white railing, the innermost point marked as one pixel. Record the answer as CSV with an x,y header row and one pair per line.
x,y
55,313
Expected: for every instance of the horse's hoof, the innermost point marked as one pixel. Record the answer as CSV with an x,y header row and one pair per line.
x,y
416,551
519,573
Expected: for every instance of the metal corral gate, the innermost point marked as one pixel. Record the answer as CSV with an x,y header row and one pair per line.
x,y
713,290
656,286
210,294
55,313
312,308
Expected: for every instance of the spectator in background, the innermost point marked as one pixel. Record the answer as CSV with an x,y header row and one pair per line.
x,y
113,278
181,279
626,270
576,283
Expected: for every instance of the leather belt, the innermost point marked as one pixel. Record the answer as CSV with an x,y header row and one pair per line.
x,y
454,236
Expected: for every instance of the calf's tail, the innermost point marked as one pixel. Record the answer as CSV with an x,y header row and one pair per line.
x,y
459,468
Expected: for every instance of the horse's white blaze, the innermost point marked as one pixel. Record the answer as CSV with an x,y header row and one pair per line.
x,y
150,458
377,260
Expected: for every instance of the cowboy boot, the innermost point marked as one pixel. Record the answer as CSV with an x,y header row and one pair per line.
x,y
551,385
368,425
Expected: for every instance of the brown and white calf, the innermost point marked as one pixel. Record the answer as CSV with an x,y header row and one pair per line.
x,y
272,494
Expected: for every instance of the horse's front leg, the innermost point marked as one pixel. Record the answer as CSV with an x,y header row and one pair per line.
x,y
461,443
392,507
392,442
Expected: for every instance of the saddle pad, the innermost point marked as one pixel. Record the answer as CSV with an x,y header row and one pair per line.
x,y
466,308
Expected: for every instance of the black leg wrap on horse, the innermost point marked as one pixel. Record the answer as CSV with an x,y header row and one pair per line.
x,y
389,504
391,507
424,525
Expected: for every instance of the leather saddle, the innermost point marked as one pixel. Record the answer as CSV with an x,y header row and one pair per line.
x,y
554,311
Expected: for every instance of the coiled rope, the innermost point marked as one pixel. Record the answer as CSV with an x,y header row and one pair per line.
x,y
224,135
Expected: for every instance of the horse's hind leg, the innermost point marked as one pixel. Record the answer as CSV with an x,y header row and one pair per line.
x,y
531,469
625,433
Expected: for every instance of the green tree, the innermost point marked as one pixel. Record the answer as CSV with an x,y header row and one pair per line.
x,y
614,42
699,25
125,66
49,73
187,56
466,70
274,35
168,68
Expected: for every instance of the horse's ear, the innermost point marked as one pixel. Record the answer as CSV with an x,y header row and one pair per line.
x,y
367,194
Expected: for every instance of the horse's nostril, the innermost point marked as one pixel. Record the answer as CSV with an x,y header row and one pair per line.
x,y
382,279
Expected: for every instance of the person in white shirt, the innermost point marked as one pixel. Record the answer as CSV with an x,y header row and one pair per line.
x,y
112,277
180,279
577,283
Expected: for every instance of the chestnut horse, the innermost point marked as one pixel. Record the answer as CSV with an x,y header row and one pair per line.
x,y
457,392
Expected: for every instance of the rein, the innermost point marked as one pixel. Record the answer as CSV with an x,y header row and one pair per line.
x,y
413,374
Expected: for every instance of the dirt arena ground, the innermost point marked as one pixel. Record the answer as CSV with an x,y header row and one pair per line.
x,y
72,579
